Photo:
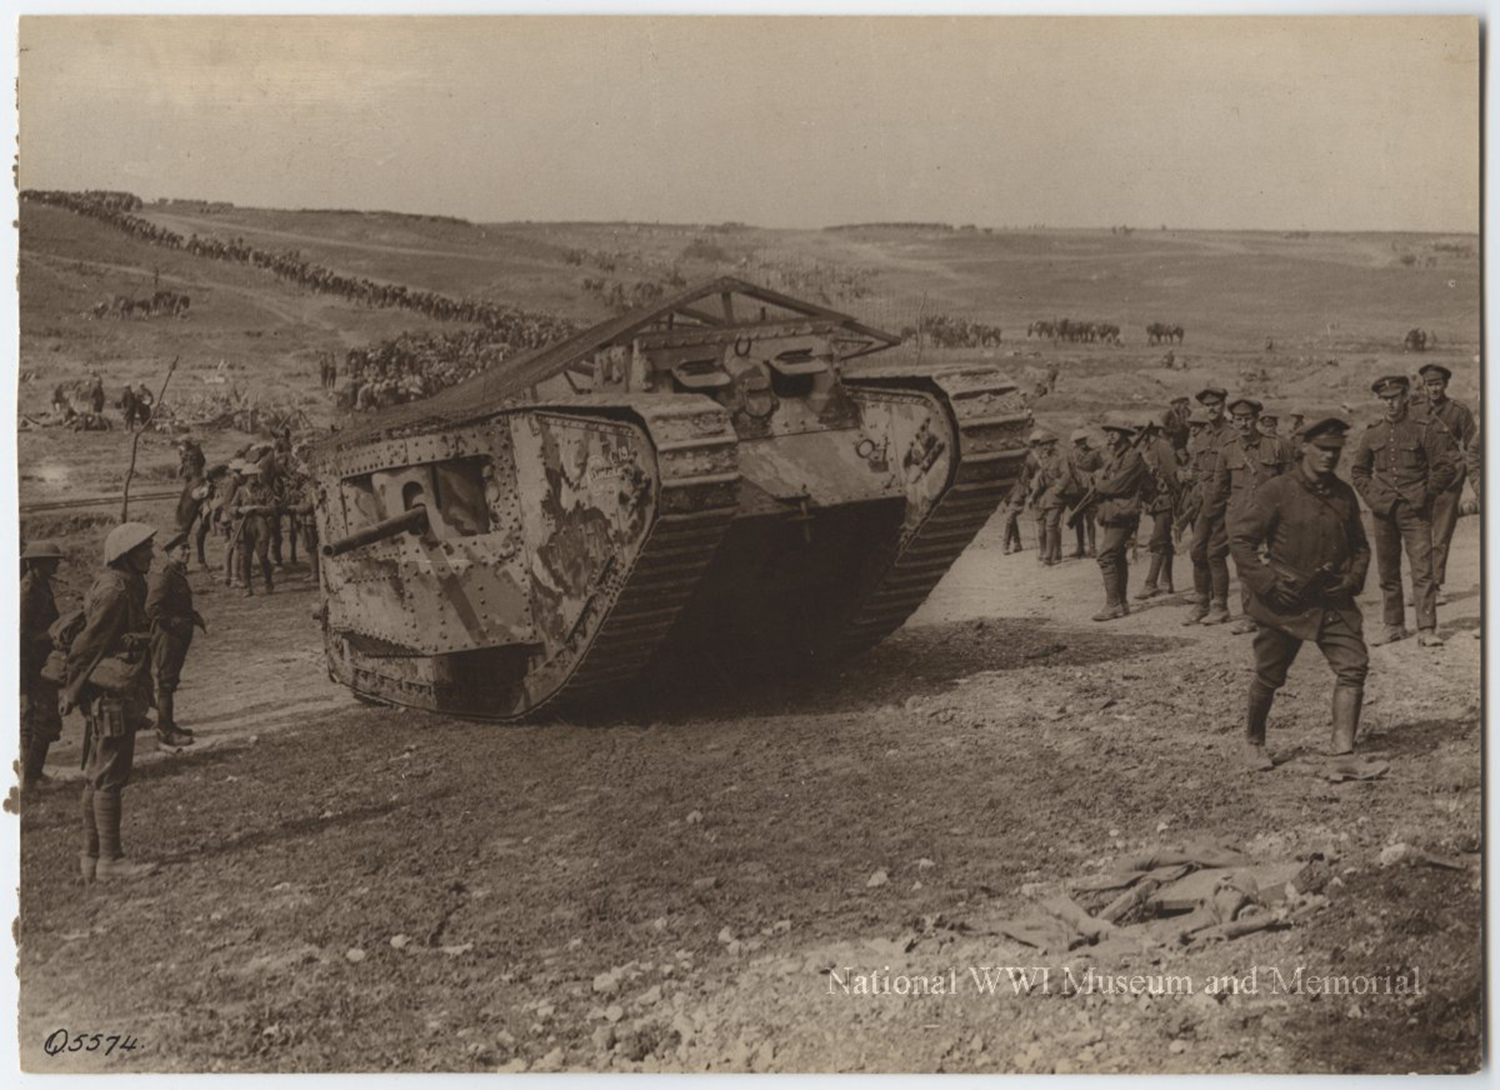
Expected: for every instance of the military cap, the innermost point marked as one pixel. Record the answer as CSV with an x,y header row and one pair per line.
x,y
1080,434
1197,420
179,538
1435,368
1391,384
1212,393
1042,435
1250,405
42,550
1269,418
1181,399
1328,432
1113,422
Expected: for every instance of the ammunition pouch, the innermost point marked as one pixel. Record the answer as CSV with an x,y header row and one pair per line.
x,y
109,718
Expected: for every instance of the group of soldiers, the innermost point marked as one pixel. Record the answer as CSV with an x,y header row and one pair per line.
x,y
1237,488
257,502
522,329
414,366
113,659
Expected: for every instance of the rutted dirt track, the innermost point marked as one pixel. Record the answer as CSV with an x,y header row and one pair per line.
x,y
663,889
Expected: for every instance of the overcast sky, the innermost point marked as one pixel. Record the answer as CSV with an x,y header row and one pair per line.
x,y
1323,124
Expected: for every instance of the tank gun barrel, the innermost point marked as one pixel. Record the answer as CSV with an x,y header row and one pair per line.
x,y
414,519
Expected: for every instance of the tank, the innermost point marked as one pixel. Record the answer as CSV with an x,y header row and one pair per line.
x,y
722,476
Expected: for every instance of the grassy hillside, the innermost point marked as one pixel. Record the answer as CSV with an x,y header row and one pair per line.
x,y
1335,306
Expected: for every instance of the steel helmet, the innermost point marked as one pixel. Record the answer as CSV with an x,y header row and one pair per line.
x,y
1080,433
125,537
1042,435
42,550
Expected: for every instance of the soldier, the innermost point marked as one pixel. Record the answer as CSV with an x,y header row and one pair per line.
x,y
190,454
107,679
41,725
1160,498
1458,421
96,394
1294,428
1015,503
1053,481
1243,467
1176,429
1118,485
1084,460
1308,523
1209,549
248,507
169,609
1401,464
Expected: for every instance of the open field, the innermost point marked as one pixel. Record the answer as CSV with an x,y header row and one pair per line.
x,y
663,887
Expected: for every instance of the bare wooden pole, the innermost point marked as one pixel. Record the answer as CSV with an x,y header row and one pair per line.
x,y
135,438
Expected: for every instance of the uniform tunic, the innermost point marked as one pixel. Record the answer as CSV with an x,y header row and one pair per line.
x,y
1210,544
169,609
113,610
1455,418
39,715
1304,525
1398,468
1161,491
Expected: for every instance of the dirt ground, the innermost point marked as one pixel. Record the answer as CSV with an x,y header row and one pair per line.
x,y
681,884
354,888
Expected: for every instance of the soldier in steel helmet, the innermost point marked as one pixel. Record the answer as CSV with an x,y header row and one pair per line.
x,y
1159,498
41,724
1085,460
1118,484
1307,523
108,680
1402,464
1053,481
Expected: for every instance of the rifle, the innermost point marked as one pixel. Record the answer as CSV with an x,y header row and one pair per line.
x,y
1091,497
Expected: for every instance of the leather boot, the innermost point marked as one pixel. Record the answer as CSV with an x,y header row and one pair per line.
x,y
1197,613
113,866
1112,607
1346,705
1219,614
1152,574
1258,710
33,761
167,731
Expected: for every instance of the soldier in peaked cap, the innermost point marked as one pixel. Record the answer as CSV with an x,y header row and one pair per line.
x,y
170,612
1402,463
1307,523
107,678
1458,421
1244,465
1118,484
1209,549
41,725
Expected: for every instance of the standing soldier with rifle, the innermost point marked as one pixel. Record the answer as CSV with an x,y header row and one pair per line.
x,y
1053,480
169,609
1084,459
107,679
1117,485
1307,522
247,507
1161,499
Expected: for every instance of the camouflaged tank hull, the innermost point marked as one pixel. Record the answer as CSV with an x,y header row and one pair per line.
x,y
751,500
620,527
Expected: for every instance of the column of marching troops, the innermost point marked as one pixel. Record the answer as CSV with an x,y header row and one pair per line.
x,y
1221,476
122,652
